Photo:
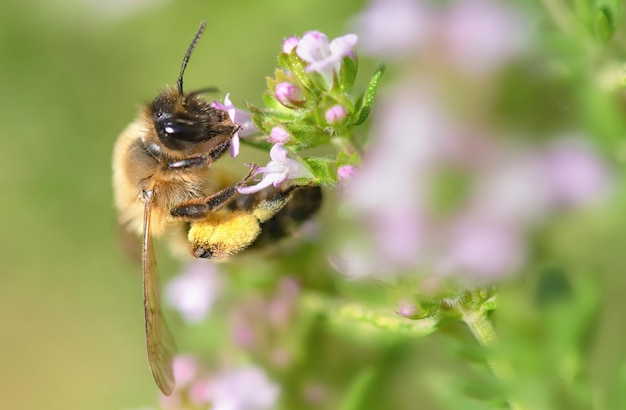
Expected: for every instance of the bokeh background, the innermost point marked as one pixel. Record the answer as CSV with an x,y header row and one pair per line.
x,y
72,75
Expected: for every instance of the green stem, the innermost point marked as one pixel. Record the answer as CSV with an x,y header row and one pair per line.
x,y
482,329
355,313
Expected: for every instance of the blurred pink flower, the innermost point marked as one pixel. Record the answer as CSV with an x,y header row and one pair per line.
x,y
186,368
346,172
242,332
246,388
411,134
396,28
480,36
476,36
511,186
281,307
575,173
362,262
400,234
324,57
482,248
194,291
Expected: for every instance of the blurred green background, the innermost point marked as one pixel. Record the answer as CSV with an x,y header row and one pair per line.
x,y
72,74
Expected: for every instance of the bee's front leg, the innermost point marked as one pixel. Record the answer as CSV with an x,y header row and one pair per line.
x,y
201,161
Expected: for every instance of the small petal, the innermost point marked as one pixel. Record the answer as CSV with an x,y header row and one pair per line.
x,y
278,170
323,57
313,47
267,181
290,43
232,114
234,142
343,46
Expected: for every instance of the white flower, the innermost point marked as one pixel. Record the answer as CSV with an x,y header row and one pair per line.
x,y
278,170
323,57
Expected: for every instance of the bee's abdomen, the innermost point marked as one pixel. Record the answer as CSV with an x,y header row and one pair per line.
x,y
304,202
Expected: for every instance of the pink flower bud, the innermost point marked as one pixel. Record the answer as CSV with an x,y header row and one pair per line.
x,y
346,172
335,114
288,94
278,135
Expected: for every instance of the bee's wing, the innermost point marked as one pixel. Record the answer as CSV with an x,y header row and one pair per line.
x,y
159,340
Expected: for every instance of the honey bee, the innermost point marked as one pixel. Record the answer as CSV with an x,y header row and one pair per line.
x,y
163,185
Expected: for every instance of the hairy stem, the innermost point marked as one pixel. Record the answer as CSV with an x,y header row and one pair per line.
x,y
483,331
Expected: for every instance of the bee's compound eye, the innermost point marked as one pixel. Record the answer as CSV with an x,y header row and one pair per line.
x,y
181,129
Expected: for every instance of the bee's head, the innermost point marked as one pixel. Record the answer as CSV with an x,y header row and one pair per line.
x,y
179,126
184,120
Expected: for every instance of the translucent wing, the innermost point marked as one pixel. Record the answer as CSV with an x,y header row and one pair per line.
x,y
159,340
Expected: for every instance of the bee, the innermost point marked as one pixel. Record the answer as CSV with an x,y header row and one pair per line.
x,y
163,184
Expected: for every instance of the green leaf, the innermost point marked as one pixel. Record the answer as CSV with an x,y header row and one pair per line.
x,y
347,75
365,103
603,24
321,169
359,389
297,69
344,158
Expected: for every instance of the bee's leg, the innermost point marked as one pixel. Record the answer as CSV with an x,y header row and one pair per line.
x,y
199,208
266,209
226,234
201,161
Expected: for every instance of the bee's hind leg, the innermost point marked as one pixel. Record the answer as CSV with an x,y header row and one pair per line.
x,y
226,234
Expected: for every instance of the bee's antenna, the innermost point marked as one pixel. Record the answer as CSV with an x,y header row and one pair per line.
x,y
188,54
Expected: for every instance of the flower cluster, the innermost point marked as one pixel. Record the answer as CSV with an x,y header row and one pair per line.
x,y
309,103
